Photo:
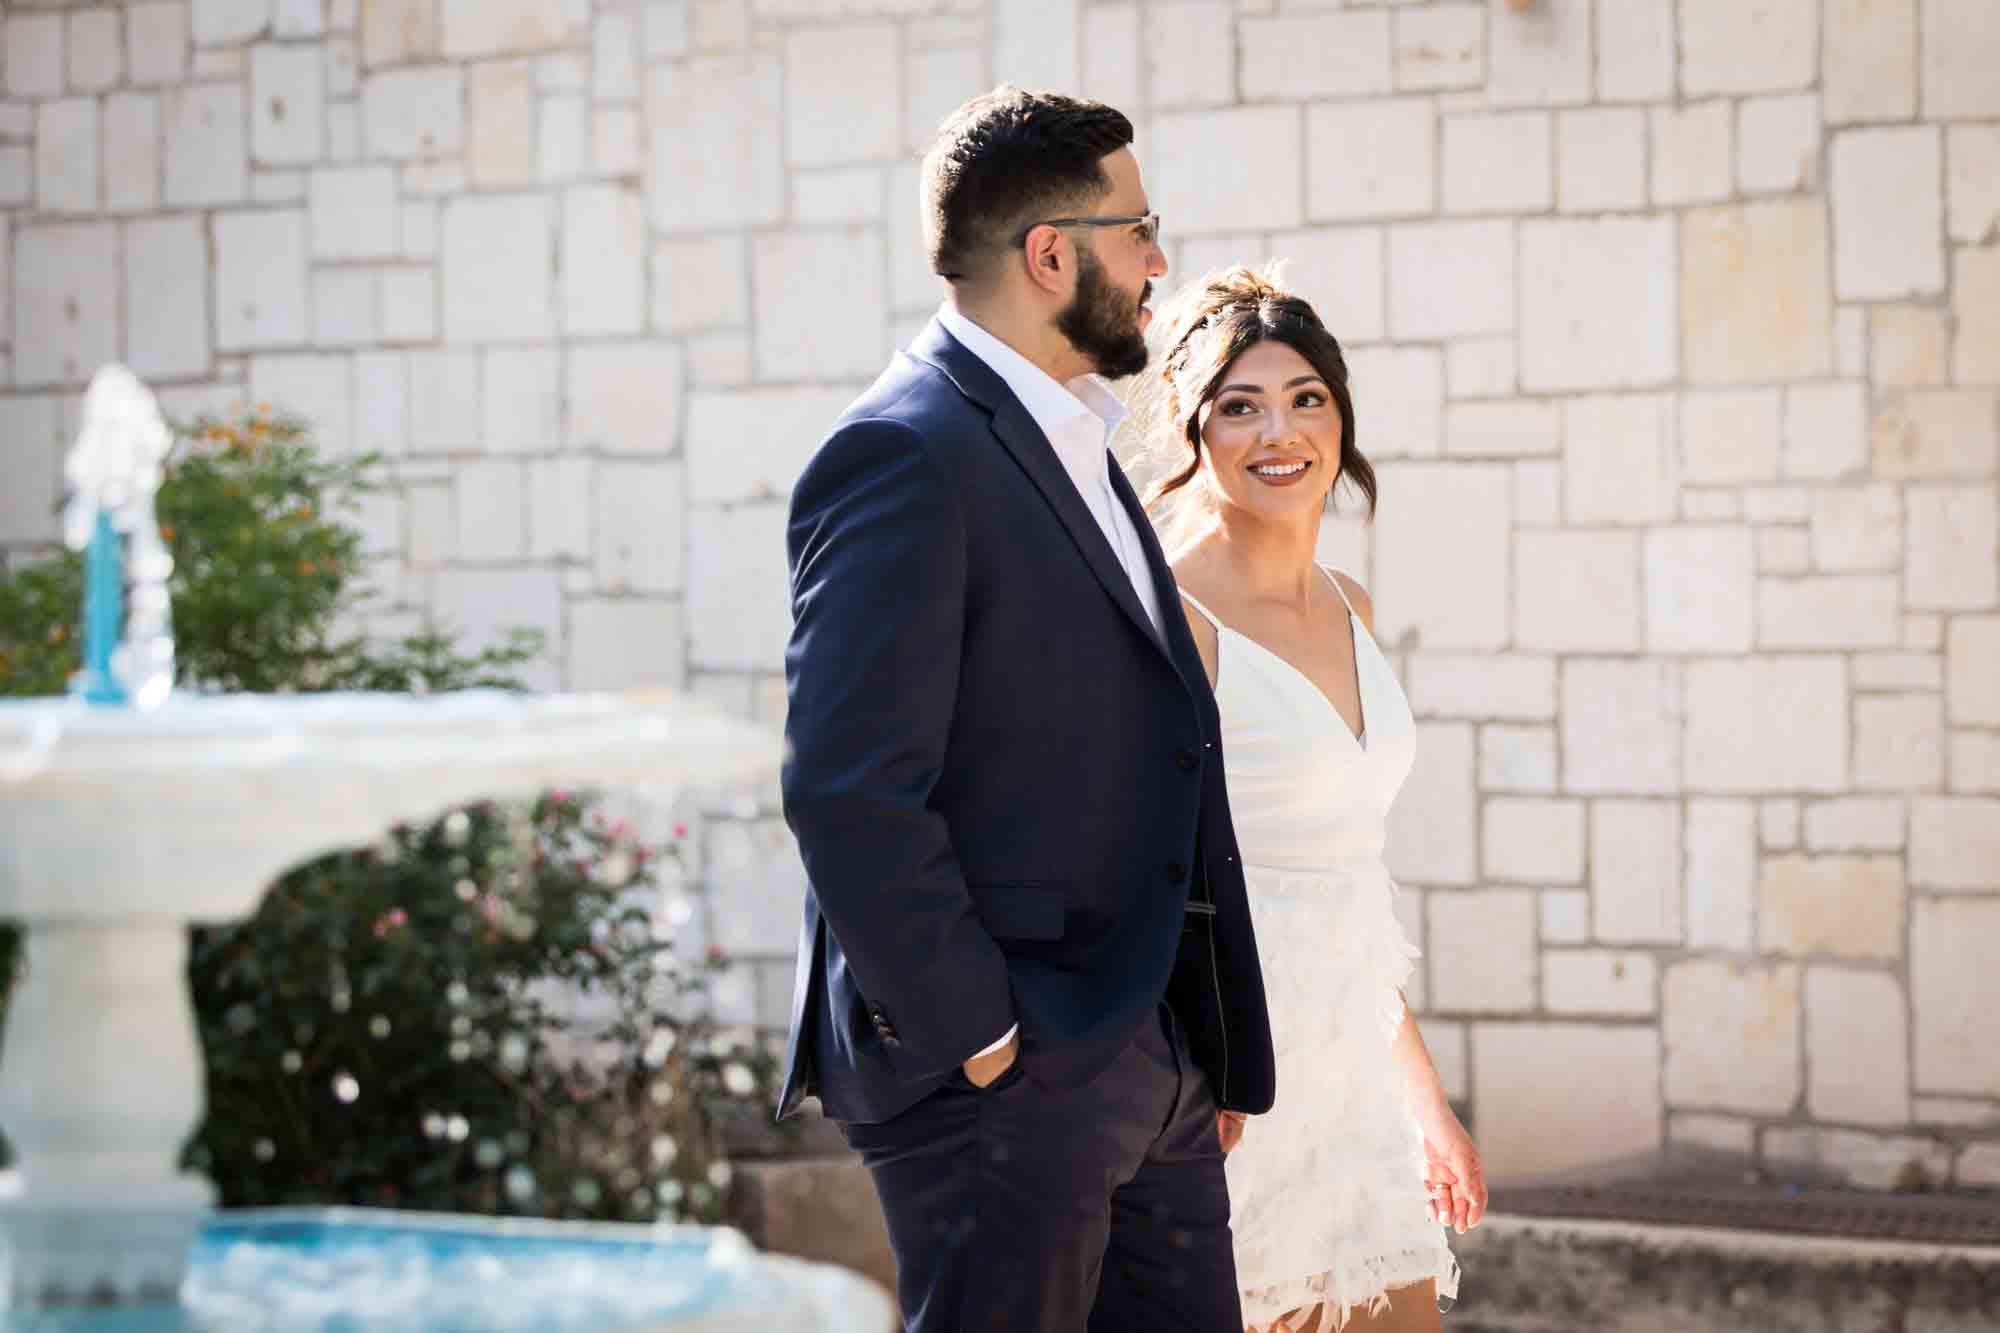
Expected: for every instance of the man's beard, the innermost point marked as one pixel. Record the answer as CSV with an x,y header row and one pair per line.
x,y
1102,322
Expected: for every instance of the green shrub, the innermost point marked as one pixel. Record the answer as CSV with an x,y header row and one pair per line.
x,y
477,1014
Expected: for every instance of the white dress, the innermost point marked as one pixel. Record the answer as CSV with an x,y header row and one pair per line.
x,y
1327,1200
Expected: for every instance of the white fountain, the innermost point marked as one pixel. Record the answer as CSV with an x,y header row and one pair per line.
x,y
128,812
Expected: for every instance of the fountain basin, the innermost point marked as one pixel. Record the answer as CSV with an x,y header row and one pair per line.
x,y
338,1270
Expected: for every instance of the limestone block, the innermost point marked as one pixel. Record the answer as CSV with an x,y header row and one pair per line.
x,y
667,29
720,360
408,305
1448,279
564,134
1481,367
1440,46
1517,758
1768,724
1858,528
1597,303
1565,916
1961,49
1850,337
131,152
1533,841
638,546
718,25
521,399
1611,1116
1864,1161
1621,727
1937,433
156,42
1839,906
1778,824
483,605
1747,46
1285,58
700,283
1343,272
820,310
287,103
207,153
491,27
560,521
1955,1111
1855,824
1975,305
1432,825
498,283
1955,844
17,175
414,113
381,403
1951,542
1498,162
490,511
1713,1133
1978,1166
352,212
1954,992
1235,169
1635,871
1698,590
1482,951
316,387
1778,144
752,444
1502,686
703,103
1826,430
625,397
166,297
1446,1042
33,447
936,82
1503,428
627,644
1619,463
35,62
1600,159
224,22
1375,158
1888,213
760,862
615,53
615,141
278,187
95,50
603,260
1783,551
501,144
298,18
1691,152
1721,847
832,195
739,607
1829,611
843,94
1972,182
1595,981
1635,50
1731,1032
1577,591
1461,603
1539,56
1868,60
1973,681
68,161
1755,306
396,32
1191,53
343,132
444,400
260,279
1113,69
1973,758
1035,43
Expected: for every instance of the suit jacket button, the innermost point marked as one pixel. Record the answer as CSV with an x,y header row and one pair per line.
x,y
1176,871
1186,761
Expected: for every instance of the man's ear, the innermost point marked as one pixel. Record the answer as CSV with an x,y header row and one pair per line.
x,y
1048,259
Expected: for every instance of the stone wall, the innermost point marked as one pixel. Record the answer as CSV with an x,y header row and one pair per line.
x,y
1675,333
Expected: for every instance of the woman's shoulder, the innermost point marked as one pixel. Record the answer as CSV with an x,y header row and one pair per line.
x,y
1357,596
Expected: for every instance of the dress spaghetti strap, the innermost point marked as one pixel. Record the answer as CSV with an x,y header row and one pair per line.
x,y
1334,579
1206,614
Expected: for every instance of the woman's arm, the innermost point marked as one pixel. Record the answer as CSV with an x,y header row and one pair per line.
x,y
1454,1173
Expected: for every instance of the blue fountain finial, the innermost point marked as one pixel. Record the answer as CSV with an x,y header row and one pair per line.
x,y
114,471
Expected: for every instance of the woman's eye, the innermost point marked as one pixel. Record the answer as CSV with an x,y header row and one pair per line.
x,y
1310,398
1231,408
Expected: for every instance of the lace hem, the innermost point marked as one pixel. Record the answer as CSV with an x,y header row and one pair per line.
x,y
1362,1284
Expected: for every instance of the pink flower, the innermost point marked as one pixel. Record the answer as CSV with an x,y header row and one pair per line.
x,y
561,796
716,954
680,830
392,920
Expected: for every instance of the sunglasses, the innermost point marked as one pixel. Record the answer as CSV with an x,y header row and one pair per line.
x,y
1147,223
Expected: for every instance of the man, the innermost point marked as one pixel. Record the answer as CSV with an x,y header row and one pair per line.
x,y
1027,978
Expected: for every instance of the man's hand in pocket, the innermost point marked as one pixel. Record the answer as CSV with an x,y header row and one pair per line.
x,y
981,1070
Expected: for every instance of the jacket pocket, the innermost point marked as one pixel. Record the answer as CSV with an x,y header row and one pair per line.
x,y
1021,911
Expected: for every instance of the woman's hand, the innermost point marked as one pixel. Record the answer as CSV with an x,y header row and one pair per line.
x,y
1229,1125
1453,1174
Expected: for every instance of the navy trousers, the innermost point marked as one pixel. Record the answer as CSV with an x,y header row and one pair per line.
x,y
1018,1208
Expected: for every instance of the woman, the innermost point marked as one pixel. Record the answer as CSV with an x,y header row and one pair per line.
x,y
1341,1196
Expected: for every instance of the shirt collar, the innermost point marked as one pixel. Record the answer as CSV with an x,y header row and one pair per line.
x,y
1055,407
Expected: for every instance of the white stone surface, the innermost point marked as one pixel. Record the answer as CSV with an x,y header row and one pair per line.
x,y
490,27
95,51
1532,841
1692,148
1868,60
287,103
207,154
1440,46
1731,1033
819,304
1826,430
1432,826
752,444
501,143
1767,724
1828,611
1487,686
1973,686
1343,272
1954,988
1755,305
1540,56
1955,844
1590,981
1461,603
1232,169
1597,302
843,94
1832,906
1888,213
1856,824
414,113
35,62
1937,433
1576,592
1721,847
1482,951
352,213
490,511
1635,872
33,447
1503,428
1951,556
521,399
1778,144
1635,50
1747,46
625,397
1972,181
1373,159
1611,1116
1620,462
498,271
68,156
166,297
1857,527
710,100
260,279
1449,279
637,549
1600,159
1975,351
738,601
1517,758
700,283
603,260
1961,49
1498,162
1621,726
1290,56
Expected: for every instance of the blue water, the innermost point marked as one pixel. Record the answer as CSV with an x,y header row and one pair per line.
x,y
348,1270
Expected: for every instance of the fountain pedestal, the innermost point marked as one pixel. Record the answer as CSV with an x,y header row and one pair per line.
x,y
119,828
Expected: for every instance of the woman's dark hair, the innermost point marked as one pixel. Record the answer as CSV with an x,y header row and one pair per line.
x,y
1006,160
1214,321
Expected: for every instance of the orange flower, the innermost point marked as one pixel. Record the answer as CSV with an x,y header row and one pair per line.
x,y
307,568
166,532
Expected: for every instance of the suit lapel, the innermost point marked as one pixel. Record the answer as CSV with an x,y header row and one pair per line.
x,y
1179,643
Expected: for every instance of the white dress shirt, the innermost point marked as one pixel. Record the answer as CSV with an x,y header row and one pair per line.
x,y
1078,419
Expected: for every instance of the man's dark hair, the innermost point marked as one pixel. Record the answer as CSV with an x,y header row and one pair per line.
x,y
1005,160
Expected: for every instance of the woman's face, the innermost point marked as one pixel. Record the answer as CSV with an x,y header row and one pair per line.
x,y
1271,435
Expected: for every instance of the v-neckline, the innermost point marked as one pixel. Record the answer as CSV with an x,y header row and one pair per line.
x,y
1354,632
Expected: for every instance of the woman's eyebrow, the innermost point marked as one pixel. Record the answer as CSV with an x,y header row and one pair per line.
x,y
1258,388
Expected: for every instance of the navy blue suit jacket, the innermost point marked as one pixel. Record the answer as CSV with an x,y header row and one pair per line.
x,y
1006,786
